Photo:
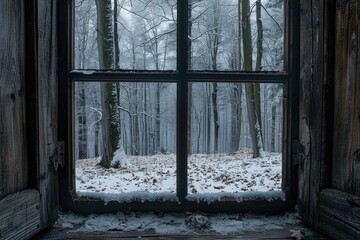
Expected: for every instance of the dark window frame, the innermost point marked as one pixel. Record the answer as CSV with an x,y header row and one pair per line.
x,y
289,78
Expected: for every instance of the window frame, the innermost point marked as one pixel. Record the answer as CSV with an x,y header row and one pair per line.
x,y
182,76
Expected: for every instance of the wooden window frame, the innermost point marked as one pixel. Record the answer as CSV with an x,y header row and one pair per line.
x,y
69,201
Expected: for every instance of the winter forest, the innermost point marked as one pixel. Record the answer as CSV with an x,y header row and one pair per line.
x,y
125,132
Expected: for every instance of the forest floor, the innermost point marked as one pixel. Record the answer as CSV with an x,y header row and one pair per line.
x,y
136,225
207,173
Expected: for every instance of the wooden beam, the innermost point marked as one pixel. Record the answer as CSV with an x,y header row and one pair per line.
x,y
347,97
13,160
316,82
282,232
48,111
20,215
340,214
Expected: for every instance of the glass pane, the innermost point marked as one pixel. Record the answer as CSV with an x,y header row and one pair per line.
x,y
126,34
236,137
125,137
221,40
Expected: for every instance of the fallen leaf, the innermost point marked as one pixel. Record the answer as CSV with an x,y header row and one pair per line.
x,y
297,235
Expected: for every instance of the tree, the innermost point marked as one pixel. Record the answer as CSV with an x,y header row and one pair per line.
x,y
109,99
253,101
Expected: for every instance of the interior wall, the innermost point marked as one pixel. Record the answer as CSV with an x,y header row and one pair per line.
x,y
13,160
346,151
329,156
316,107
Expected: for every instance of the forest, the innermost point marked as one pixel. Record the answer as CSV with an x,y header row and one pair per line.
x,y
117,120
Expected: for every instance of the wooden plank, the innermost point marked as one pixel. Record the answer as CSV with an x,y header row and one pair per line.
x,y
347,96
13,161
315,99
337,229
283,232
340,214
47,100
342,205
355,170
304,121
19,215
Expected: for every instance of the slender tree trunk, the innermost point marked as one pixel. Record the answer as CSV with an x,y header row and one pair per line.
x,y
82,141
136,120
157,120
208,120
96,139
116,37
146,144
238,86
273,127
237,117
216,117
255,131
259,56
215,42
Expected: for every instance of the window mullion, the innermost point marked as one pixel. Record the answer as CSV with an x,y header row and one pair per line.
x,y
182,98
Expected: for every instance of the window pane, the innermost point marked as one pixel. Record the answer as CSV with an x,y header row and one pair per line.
x,y
133,126
126,34
224,127
221,40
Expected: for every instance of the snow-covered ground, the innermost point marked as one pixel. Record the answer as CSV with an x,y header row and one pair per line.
x,y
207,174
211,175
175,223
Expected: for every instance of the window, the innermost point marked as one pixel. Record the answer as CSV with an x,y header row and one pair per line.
x,y
178,104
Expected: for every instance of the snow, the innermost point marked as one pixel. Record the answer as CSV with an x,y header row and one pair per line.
x,y
210,177
129,197
85,72
239,197
174,223
120,159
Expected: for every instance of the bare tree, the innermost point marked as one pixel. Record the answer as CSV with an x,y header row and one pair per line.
x,y
109,99
251,88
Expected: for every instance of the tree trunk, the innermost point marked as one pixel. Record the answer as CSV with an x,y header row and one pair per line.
x,y
116,37
237,115
216,116
208,120
157,120
215,42
255,131
259,56
273,127
238,86
110,128
96,139
82,141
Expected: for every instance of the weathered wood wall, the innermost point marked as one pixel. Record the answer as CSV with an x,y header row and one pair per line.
x,y
47,110
346,152
28,116
329,177
339,214
316,87
19,206
13,160
20,217
339,207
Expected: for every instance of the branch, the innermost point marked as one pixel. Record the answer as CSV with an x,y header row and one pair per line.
x,y
272,18
252,8
98,111
137,114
